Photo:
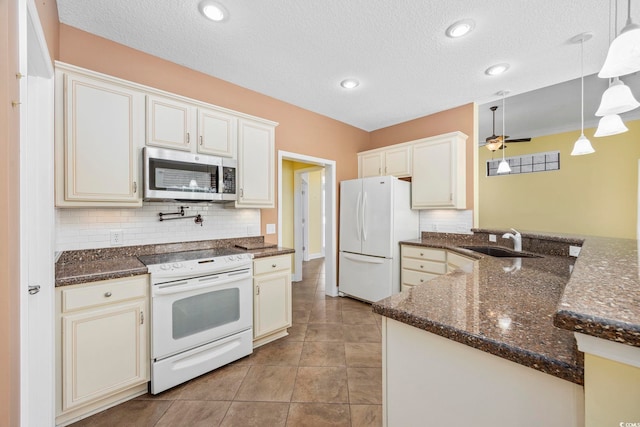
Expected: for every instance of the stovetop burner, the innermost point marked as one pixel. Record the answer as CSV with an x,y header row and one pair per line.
x,y
201,254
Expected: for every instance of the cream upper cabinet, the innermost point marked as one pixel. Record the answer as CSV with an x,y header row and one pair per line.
x,y
272,298
103,344
370,164
170,123
217,133
439,175
173,123
256,164
394,161
99,129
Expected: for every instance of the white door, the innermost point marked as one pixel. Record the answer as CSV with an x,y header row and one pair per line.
x,y
377,207
36,224
365,277
350,216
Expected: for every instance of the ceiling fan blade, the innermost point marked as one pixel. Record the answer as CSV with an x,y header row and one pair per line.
x,y
519,140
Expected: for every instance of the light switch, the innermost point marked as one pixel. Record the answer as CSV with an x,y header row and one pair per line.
x,y
271,229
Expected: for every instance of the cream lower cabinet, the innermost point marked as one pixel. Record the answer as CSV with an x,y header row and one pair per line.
x,y
99,130
103,348
271,298
420,264
256,164
439,174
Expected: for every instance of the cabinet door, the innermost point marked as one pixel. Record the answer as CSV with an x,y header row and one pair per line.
x,y
103,127
104,352
439,174
170,123
217,133
272,303
371,164
255,165
397,162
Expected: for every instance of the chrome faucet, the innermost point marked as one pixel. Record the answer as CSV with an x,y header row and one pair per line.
x,y
517,239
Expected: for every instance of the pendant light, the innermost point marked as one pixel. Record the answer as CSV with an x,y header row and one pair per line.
x,y
582,145
610,125
623,56
617,99
503,167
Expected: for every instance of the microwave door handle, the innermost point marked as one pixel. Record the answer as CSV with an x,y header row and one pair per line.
x,y
171,290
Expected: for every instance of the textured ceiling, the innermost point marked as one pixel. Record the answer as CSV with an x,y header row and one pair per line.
x,y
299,51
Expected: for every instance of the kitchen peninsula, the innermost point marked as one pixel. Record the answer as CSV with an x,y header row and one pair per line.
x,y
441,339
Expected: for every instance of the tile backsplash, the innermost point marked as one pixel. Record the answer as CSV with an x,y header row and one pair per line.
x,y
446,221
92,228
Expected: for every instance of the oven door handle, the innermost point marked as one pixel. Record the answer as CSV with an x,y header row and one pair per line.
x,y
177,289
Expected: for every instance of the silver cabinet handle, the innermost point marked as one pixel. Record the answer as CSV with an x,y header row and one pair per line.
x,y
107,294
188,138
34,289
257,290
135,187
142,318
201,140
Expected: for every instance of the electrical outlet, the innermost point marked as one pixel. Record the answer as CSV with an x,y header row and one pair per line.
x,y
116,237
492,238
574,250
271,229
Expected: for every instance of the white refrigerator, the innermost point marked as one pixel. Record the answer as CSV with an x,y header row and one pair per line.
x,y
375,214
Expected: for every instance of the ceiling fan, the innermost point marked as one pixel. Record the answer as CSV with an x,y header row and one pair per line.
x,y
494,141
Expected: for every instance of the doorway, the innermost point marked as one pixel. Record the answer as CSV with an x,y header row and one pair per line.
x,y
37,395
328,199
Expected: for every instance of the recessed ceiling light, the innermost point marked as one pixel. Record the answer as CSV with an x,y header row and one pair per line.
x,y
460,28
213,10
349,83
494,70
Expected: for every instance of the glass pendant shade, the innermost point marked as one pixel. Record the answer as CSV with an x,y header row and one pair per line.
x,y
503,167
493,146
623,56
582,146
617,99
610,125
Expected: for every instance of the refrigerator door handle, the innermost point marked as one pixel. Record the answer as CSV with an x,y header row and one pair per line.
x,y
358,229
367,259
364,224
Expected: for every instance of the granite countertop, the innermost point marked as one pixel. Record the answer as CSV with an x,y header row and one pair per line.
x,y
602,297
91,265
500,306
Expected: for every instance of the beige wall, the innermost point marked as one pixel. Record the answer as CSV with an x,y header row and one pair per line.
x,y
300,131
456,119
611,392
596,194
9,212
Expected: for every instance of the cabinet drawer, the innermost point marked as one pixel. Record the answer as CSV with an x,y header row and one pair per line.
x,y
424,265
106,292
413,278
271,264
424,253
458,261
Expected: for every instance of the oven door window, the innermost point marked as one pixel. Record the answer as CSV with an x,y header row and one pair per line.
x,y
203,312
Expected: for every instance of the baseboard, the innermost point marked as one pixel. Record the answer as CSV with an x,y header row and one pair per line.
x,y
316,256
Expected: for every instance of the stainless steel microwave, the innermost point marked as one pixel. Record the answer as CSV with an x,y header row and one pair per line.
x,y
177,175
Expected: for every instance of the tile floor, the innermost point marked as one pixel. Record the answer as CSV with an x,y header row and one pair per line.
x,y
327,372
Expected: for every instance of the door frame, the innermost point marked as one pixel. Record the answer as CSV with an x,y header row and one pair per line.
x,y
37,354
330,230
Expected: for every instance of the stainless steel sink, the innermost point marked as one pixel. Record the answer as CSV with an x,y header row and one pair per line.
x,y
500,252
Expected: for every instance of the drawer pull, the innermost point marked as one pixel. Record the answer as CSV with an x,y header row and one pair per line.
x,y
422,266
273,265
421,253
421,280
107,294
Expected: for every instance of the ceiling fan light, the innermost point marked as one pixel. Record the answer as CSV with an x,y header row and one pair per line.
x,y
503,167
494,145
617,99
582,146
623,56
610,125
